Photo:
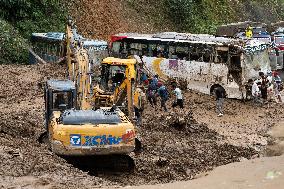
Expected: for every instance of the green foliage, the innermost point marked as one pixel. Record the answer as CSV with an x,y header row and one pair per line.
x,y
203,16
13,47
31,16
179,12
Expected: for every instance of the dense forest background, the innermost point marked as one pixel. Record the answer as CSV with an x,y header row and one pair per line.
x,y
101,18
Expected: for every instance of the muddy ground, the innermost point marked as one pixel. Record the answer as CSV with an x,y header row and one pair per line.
x,y
168,154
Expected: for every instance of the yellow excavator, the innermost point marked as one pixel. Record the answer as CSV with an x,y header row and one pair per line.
x,y
118,81
76,122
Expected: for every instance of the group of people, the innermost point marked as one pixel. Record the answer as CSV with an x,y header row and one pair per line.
x,y
264,86
261,89
156,89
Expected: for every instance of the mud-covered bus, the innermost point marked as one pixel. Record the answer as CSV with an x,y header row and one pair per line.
x,y
51,47
203,61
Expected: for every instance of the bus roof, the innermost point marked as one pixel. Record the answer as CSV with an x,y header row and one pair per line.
x,y
179,37
89,42
50,36
58,37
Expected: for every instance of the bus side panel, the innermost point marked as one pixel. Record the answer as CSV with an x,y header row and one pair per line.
x,y
200,76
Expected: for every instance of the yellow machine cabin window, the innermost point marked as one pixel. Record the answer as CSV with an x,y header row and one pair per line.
x,y
112,76
62,100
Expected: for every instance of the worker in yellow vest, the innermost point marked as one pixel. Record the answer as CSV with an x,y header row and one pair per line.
x,y
249,31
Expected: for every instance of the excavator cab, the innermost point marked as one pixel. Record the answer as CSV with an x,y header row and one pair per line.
x,y
118,77
59,95
112,76
115,71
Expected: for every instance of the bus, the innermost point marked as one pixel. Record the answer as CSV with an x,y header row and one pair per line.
x,y
51,47
48,46
278,41
203,61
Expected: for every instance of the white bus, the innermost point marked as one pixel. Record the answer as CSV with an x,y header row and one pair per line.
x,y
204,61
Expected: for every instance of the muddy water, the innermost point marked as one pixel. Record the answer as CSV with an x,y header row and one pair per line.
x,y
276,144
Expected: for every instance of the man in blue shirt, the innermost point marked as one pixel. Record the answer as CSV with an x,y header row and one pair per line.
x,y
164,95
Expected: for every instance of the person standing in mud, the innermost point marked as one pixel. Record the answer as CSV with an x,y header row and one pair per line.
x,y
138,100
154,81
164,95
277,86
151,94
263,86
220,94
179,98
255,91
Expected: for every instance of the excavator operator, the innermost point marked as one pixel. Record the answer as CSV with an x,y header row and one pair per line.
x,y
59,100
118,77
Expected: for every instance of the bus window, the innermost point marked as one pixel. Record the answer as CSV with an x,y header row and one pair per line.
x,y
152,50
116,47
144,50
182,52
222,54
195,53
134,48
207,56
172,52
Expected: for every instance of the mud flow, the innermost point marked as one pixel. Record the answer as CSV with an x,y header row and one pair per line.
x,y
176,145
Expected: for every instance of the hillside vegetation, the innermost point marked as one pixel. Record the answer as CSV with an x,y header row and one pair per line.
x,y
101,18
20,18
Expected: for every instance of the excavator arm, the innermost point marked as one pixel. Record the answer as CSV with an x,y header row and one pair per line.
x,y
78,68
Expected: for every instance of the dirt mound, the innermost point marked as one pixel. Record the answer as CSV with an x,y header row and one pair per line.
x,y
179,153
105,15
22,110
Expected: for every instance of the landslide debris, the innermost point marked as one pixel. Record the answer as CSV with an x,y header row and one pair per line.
x,y
177,145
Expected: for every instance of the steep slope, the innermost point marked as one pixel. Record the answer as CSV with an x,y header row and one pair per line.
x,y
101,18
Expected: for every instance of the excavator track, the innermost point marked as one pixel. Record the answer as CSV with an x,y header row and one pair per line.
x,y
101,164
